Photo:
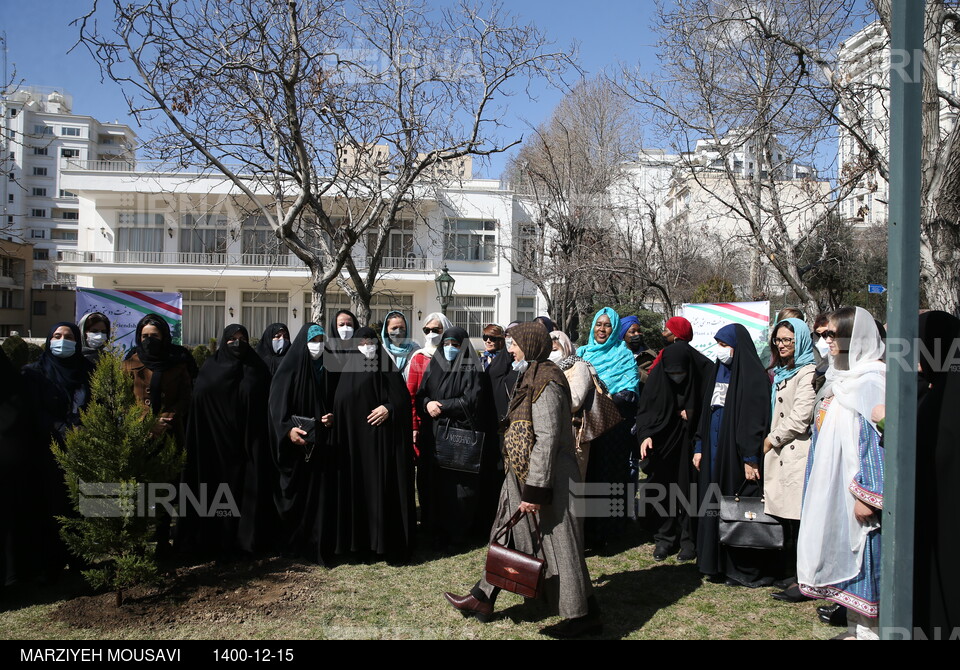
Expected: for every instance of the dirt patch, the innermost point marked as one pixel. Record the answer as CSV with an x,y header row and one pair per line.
x,y
209,593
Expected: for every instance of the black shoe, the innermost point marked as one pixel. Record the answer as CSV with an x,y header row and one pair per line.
x,y
571,628
827,609
785,584
790,595
687,555
837,617
661,552
730,581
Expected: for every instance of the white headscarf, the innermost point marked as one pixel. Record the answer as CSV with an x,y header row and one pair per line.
x,y
831,543
427,350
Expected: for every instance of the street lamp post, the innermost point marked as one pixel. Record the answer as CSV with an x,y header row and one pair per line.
x,y
445,285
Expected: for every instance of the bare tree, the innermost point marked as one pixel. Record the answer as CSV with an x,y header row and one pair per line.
x,y
325,116
756,110
564,172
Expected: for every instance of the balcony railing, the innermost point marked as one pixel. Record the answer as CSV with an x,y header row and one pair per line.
x,y
414,263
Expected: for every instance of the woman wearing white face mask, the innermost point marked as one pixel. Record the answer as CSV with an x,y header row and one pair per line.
x,y
94,331
433,327
375,501
734,420
56,387
306,495
274,345
455,393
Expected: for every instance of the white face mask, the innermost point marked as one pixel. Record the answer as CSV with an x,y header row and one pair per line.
x,y
397,335
432,339
96,340
280,345
556,356
521,366
346,332
368,350
823,347
315,349
725,355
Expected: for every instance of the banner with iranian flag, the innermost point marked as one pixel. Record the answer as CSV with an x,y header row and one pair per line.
x,y
707,319
126,308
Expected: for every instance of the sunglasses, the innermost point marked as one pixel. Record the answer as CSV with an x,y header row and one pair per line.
x,y
427,331
492,338
783,340
829,334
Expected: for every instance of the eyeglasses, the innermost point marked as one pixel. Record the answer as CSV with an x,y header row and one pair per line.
x,y
783,340
829,334
492,338
427,331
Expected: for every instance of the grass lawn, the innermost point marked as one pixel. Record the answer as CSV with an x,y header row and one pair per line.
x,y
280,599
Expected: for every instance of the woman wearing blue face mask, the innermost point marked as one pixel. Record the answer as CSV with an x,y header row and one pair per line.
x,y
455,392
57,387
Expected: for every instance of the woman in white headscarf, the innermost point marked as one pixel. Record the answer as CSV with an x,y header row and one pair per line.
x,y
838,551
434,326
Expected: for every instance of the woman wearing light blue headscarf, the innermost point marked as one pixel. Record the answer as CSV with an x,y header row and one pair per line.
x,y
787,444
396,340
610,453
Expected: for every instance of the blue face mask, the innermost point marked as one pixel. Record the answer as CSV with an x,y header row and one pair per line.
x,y
63,348
450,353
521,366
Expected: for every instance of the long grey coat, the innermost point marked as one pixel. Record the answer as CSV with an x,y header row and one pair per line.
x,y
785,464
553,465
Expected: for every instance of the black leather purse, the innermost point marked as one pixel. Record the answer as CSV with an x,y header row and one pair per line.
x,y
743,523
458,448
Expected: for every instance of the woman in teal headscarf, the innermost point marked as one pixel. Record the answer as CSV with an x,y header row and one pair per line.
x,y
786,446
610,453
396,340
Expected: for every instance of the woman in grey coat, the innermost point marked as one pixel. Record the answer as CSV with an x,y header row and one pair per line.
x,y
541,462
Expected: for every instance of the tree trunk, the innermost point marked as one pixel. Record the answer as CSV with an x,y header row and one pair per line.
x,y
319,302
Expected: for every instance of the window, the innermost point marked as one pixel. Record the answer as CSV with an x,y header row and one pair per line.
x,y
65,235
39,191
526,308
260,244
203,315
66,131
529,241
70,153
469,240
203,239
69,216
68,194
139,237
39,172
39,307
39,151
261,308
39,213
13,113
472,312
41,129
11,176
8,299
41,255
38,234
10,197
398,251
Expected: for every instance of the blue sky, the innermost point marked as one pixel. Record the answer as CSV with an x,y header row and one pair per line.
x,y
608,31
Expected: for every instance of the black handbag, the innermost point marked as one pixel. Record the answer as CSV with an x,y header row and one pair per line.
x,y
514,570
309,425
458,448
743,523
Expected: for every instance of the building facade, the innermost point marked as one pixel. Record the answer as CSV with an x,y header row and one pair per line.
x,y
145,229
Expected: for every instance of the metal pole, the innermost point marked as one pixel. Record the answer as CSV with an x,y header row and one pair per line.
x,y
903,278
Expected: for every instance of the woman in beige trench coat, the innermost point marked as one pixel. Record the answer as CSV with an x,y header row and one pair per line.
x,y
786,446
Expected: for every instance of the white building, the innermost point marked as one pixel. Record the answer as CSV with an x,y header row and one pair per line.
x,y
864,67
140,228
41,133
